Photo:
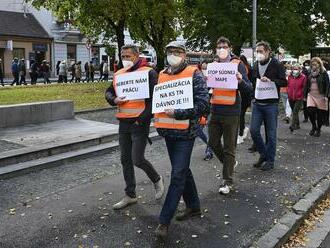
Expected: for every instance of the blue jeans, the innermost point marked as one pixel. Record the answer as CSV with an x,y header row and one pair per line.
x,y
182,181
203,136
267,114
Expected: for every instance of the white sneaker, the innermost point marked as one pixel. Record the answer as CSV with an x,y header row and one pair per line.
x,y
246,132
224,189
126,201
240,139
159,188
235,165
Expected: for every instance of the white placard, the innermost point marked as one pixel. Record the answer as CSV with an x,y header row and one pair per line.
x,y
222,75
265,90
174,94
132,85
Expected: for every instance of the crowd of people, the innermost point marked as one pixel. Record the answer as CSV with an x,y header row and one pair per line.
x,y
221,110
63,71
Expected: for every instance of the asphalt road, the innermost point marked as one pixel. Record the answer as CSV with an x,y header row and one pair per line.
x,y
70,205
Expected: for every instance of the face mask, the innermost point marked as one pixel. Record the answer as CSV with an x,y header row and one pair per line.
x,y
173,60
222,53
295,73
307,67
204,72
127,63
260,57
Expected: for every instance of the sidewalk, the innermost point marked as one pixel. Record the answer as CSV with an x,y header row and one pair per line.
x,y
70,205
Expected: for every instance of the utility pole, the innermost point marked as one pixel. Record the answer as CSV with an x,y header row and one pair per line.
x,y
254,27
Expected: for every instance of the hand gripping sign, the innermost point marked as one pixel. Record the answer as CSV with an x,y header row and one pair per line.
x,y
132,85
265,90
174,94
222,75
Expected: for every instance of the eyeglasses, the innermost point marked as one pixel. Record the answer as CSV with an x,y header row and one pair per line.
x,y
174,52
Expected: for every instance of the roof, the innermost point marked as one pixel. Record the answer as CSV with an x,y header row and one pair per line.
x,y
18,24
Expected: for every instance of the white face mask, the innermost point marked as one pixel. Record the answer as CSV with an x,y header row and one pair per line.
x,y
222,53
173,60
127,63
307,67
295,73
260,57
204,72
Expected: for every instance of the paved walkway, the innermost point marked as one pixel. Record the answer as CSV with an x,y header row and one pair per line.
x,y
70,205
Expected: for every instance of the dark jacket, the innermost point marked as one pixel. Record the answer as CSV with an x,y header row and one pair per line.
x,y
15,68
128,124
201,107
322,82
276,73
244,90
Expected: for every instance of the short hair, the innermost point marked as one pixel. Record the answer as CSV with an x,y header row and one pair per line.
x,y
265,44
133,47
223,39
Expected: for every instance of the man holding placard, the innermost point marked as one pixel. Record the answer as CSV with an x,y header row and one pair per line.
x,y
131,91
268,77
180,99
227,77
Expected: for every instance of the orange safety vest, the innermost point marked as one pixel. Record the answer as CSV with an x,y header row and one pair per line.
x,y
162,120
224,96
132,108
203,120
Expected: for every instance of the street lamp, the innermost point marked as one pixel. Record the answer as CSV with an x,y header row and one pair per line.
x,y
254,27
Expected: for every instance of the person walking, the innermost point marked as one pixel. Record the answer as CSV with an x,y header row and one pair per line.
x,y
296,83
63,72
22,72
246,96
15,71
306,71
33,71
317,94
225,115
78,72
73,72
134,123
87,72
91,71
101,70
1,73
268,77
105,71
45,69
179,128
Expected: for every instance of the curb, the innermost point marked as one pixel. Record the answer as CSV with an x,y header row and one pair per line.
x,y
61,159
291,221
93,110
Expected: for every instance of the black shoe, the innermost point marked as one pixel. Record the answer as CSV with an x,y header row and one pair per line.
x,y
305,120
161,231
252,149
208,157
312,132
317,133
291,129
259,163
267,166
188,213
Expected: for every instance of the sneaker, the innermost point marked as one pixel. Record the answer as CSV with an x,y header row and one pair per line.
x,y
126,201
235,165
240,140
224,189
259,163
246,132
161,231
312,132
317,133
208,156
159,188
267,166
188,213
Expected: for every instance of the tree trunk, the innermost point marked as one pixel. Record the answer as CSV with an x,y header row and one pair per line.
x,y
160,58
120,40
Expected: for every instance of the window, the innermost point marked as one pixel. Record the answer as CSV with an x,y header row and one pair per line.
x,y
19,53
71,52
